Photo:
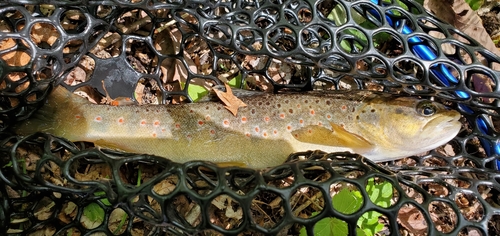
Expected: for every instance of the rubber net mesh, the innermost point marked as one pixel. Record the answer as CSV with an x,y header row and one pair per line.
x,y
152,51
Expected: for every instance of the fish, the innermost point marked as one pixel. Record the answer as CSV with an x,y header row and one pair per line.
x,y
262,134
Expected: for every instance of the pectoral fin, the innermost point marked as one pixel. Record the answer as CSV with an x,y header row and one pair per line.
x,y
338,137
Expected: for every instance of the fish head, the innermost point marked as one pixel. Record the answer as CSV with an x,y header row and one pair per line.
x,y
405,126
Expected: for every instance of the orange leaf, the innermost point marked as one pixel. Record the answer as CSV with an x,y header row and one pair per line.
x,y
231,102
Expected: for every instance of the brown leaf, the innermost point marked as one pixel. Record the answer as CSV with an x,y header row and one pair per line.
x,y
412,219
231,102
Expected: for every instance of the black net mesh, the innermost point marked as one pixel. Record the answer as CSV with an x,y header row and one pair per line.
x,y
152,51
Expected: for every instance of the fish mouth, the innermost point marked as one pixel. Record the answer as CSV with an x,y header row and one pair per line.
x,y
445,122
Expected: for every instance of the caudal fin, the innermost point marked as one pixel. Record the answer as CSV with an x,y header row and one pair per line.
x,y
53,115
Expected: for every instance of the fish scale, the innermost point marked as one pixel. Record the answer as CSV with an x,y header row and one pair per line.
x,y
262,134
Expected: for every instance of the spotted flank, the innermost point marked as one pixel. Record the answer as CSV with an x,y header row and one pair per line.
x,y
262,134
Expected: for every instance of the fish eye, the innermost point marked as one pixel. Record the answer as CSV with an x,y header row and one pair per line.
x,y
426,108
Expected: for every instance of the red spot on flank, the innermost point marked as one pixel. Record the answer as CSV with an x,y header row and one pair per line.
x,y
312,112
121,120
296,135
301,121
207,118
163,130
154,135
344,107
78,117
98,119
248,135
200,122
309,131
298,105
282,115
177,126
320,124
226,123
244,119
275,132
143,122
264,134
212,131
329,116
257,129
289,127
156,123
114,103
267,119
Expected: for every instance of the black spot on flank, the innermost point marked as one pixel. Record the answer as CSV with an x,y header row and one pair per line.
x,y
357,117
260,103
291,111
363,111
353,109
278,105
317,101
136,111
372,110
286,101
147,110
268,103
207,107
218,108
253,111
305,101
328,102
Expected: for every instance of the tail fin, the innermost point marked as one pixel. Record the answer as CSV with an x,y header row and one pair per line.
x,y
54,115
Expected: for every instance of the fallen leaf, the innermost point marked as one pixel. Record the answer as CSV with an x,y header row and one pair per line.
x,y
412,219
448,149
231,102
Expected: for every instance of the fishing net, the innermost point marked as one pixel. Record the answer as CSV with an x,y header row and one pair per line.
x,y
168,51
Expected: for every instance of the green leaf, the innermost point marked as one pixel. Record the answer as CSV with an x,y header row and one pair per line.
x,y
104,201
122,223
380,194
386,190
369,223
235,82
8,164
371,217
94,212
475,4
338,15
329,226
139,175
350,201
346,201
196,92
360,232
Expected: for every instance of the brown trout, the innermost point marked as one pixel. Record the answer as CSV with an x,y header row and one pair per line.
x,y
263,134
